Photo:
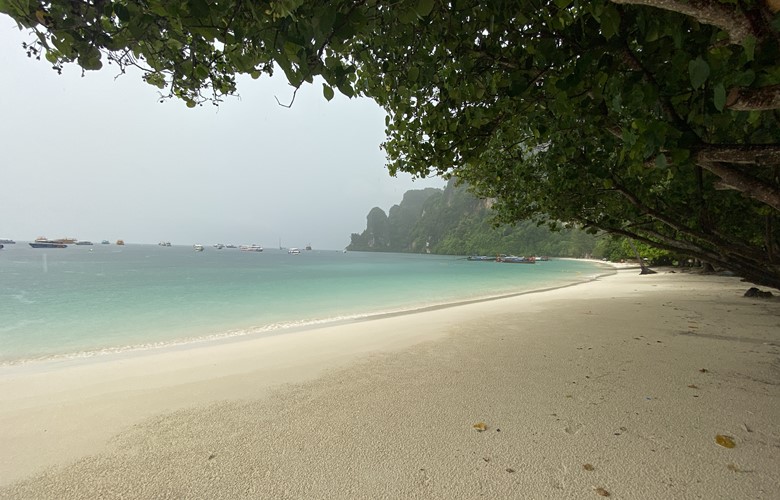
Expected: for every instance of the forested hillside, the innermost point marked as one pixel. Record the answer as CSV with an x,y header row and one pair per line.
x,y
453,221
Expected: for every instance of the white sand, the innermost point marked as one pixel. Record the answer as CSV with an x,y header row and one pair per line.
x,y
633,375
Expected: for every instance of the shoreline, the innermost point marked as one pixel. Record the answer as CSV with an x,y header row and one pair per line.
x,y
601,270
561,373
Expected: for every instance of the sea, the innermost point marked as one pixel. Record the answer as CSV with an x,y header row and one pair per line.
x,y
87,301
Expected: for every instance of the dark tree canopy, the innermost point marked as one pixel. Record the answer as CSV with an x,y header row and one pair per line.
x,y
653,119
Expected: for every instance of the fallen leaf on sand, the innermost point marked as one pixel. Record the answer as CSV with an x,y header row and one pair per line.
x,y
693,386
725,441
703,370
588,467
602,492
480,426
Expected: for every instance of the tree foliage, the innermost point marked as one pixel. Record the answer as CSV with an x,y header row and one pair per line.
x,y
652,119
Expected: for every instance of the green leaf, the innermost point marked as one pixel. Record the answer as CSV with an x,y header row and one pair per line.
x,y
750,47
660,161
327,91
413,74
699,71
121,12
720,96
199,8
424,7
610,22
407,16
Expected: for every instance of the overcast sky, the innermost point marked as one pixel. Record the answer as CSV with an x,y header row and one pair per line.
x,y
100,158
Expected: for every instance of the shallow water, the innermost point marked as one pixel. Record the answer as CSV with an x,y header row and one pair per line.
x,y
84,300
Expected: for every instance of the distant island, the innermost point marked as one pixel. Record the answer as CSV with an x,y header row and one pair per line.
x,y
452,221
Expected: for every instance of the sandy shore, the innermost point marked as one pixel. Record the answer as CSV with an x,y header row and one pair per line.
x,y
616,387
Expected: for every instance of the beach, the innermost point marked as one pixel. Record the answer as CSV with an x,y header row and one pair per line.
x,y
629,386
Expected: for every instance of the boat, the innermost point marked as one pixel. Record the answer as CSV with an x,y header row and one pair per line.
x,y
84,242
105,242
2,246
67,241
164,243
513,259
219,246
542,258
198,248
251,248
308,247
120,242
47,244
230,245
294,251
6,241
481,258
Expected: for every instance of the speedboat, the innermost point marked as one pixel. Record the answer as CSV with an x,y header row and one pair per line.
x,y
294,251
198,248
251,248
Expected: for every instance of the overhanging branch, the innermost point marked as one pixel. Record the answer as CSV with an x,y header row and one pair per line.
x,y
726,17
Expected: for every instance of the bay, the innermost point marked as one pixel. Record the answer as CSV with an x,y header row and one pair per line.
x,y
90,300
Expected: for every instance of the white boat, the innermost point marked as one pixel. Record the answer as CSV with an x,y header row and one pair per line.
x,y
251,248
219,246
294,251
198,248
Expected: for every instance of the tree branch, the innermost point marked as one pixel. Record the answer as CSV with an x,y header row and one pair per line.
x,y
748,99
730,19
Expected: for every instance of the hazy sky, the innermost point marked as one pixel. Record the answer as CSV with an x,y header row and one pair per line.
x,y
100,158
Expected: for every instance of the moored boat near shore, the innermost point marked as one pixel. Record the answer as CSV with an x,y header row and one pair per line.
x,y
47,244
513,259
481,258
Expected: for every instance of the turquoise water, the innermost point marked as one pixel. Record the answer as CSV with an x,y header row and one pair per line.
x,y
86,300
